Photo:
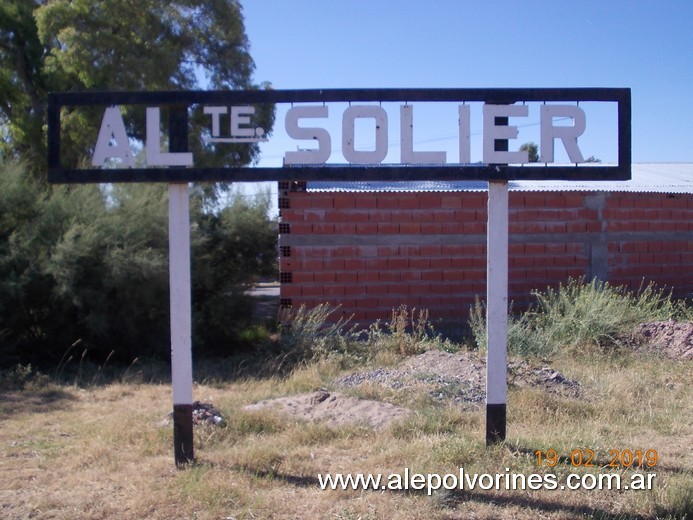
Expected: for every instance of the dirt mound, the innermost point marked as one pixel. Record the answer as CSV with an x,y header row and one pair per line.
x,y
670,338
335,408
460,377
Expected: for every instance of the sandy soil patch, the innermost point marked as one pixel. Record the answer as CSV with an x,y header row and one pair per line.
x,y
335,408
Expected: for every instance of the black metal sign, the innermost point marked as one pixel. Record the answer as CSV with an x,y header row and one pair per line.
x,y
114,160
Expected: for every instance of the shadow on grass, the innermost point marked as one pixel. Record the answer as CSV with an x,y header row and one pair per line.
x,y
301,481
207,370
33,401
548,506
455,499
50,382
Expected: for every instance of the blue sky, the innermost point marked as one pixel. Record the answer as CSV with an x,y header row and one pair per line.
x,y
643,45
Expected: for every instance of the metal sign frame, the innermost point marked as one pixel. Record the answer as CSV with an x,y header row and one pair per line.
x,y
497,176
341,172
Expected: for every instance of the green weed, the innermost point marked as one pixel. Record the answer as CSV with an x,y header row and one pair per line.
x,y
580,316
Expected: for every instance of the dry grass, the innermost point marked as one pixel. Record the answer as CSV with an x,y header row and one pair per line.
x,y
71,453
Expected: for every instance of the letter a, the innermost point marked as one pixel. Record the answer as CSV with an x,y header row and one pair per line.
x,y
112,127
637,481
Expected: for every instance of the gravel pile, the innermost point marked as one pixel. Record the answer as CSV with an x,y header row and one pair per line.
x,y
670,338
523,375
458,377
436,385
395,379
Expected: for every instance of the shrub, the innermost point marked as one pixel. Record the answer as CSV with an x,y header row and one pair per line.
x,y
407,333
90,263
311,334
579,315
597,313
522,337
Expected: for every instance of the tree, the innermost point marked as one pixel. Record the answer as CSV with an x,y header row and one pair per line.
x,y
532,151
72,45
231,248
81,263
23,85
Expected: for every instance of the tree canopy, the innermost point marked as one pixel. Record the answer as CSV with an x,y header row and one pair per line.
x,y
72,45
81,263
89,263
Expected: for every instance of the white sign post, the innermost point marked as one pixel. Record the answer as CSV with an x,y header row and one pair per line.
x,y
179,275
496,311
181,321
497,120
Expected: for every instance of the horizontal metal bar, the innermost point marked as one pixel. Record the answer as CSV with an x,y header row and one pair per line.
x,y
341,173
495,95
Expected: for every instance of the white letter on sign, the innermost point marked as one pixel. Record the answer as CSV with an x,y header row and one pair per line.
x,y
215,113
568,134
493,132
348,120
322,136
408,155
240,116
152,148
112,127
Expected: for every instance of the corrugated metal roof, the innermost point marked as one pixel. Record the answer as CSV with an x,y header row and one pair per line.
x,y
646,178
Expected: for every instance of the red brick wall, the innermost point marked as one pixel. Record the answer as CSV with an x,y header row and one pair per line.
x,y
370,252
666,257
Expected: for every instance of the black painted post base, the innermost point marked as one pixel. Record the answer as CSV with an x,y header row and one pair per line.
x,y
495,423
182,434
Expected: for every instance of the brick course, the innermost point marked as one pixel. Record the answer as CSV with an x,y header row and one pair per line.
x,y
369,252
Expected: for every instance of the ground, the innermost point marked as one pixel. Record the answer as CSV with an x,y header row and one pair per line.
x,y
88,451
459,377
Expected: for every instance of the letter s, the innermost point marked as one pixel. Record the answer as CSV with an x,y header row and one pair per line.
x,y
319,155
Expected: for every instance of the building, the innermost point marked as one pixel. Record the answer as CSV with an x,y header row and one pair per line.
x,y
372,246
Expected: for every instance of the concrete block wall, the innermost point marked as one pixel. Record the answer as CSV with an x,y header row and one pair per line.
x,y
372,251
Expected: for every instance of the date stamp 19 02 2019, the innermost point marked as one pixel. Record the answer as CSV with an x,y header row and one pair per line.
x,y
589,458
